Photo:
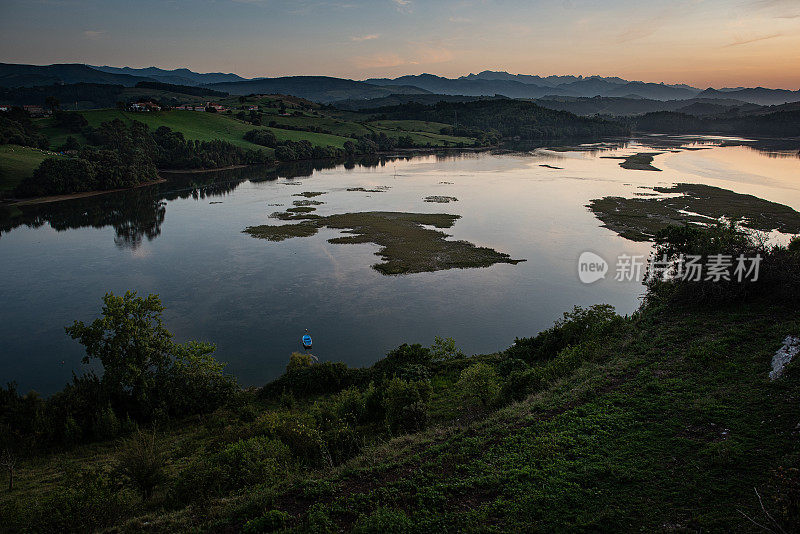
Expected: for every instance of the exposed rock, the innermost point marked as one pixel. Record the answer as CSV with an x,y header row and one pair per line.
x,y
784,355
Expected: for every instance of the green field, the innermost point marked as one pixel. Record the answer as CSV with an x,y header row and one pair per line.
x,y
17,163
196,125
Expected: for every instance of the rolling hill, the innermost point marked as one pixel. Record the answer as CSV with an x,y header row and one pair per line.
x,y
19,75
317,88
175,76
756,95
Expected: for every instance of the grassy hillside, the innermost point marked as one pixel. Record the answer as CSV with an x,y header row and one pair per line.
x,y
17,163
196,125
208,126
663,421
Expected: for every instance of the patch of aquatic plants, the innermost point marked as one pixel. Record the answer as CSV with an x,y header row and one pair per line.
x,y
639,219
637,162
440,199
406,245
376,189
301,209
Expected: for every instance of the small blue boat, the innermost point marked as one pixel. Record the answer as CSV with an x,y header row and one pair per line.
x,y
306,341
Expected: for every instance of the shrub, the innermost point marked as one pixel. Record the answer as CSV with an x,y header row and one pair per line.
x,y
142,463
511,365
261,137
349,405
778,273
340,442
479,384
195,381
580,324
246,462
269,522
374,409
402,356
298,431
298,361
318,379
106,424
253,460
405,404
445,349
518,384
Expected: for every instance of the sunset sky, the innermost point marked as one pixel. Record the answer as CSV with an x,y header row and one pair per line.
x,y
701,42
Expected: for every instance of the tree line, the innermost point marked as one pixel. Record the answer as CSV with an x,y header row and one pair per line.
x,y
506,117
123,156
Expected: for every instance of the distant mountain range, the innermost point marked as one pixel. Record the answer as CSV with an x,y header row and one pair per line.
x,y
176,76
328,89
318,88
12,75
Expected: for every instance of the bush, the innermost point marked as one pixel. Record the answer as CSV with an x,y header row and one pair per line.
x,y
518,384
70,120
580,324
406,405
778,273
444,349
269,522
318,379
478,383
374,409
246,462
195,382
298,361
349,406
141,463
298,431
340,442
262,137
402,356
106,425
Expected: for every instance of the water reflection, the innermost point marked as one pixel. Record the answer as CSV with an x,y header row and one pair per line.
x,y
138,214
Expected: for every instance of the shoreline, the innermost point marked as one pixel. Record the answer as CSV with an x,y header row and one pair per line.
x,y
204,170
86,194
72,196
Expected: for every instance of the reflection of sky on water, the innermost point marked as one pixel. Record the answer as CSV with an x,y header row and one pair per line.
x,y
254,298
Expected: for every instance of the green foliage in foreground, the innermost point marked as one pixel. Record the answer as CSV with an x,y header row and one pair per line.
x,y
664,420
146,377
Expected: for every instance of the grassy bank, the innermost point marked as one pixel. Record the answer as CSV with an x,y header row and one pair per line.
x,y
662,421
18,163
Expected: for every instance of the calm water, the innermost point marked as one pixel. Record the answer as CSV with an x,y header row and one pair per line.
x,y
253,298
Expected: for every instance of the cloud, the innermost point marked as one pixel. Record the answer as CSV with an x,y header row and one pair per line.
x,y
94,34
359,38
741,41
459,19
406,6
